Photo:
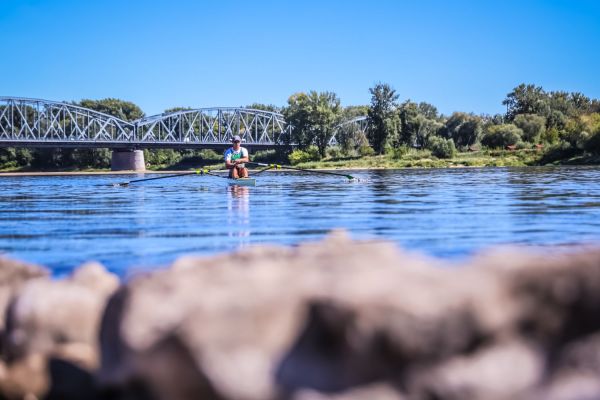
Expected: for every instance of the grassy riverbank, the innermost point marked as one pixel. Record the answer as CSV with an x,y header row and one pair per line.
x,y
424,159
412,159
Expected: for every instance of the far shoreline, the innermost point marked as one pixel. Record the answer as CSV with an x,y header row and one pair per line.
x,y
179,171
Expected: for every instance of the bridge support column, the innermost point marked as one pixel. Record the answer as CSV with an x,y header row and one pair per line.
x,y
127,160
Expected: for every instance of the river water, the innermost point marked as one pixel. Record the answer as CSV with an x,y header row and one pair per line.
x,y
62,221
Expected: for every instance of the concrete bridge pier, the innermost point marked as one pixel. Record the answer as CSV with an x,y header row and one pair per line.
x,y
128,160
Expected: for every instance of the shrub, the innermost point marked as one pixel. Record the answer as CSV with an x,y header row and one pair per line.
x,y
533,126
23,157
314,153
398,152
550,136
442,148
365,151
557,152
266,156
591,122
593,143
335,152
500,136
301,156
209,154
522,145
417,154
162,156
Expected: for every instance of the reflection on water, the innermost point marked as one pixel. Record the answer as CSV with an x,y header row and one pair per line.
x,y
63,221
238,213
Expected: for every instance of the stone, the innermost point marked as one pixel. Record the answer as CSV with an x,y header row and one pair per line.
x,y
55,321
13,275
369,392
498,371
335,319
255,322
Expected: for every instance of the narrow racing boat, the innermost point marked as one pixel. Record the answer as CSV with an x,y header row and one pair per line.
x,y
242,182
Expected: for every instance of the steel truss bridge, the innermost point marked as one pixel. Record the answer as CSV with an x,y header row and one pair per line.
x,y
40,123
352,126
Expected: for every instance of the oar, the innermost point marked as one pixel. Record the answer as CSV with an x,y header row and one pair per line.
x,y
350,177
196,172
264,169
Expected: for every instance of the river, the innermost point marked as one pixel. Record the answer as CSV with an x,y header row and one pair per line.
x,y
62,221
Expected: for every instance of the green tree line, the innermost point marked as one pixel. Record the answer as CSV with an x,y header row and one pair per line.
x,y
563,124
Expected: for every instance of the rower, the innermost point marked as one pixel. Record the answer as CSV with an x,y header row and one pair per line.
x,y
235,157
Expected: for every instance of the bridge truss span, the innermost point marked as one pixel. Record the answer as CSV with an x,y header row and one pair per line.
x,y
28,122
34,122
213,126
350,127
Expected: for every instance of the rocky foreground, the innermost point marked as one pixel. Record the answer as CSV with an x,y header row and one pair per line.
x,y
338,319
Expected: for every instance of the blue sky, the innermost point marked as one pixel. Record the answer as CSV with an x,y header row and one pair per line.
x,y
457,55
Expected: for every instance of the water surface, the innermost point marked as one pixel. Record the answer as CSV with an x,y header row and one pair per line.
x,y
61,221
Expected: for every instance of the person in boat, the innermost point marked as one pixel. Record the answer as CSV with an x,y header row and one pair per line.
x,y
235,157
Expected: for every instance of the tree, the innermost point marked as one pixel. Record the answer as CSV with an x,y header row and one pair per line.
x,y
313,117
176,109
426,130
351,112
408,113
124,110
465,129
581,102
429,111
264,107
533,126
497,119
500,136
556,119
382,119
351,138
526,99
297,115
418,123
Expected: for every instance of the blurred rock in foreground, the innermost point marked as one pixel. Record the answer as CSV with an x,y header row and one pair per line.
x,y
338,319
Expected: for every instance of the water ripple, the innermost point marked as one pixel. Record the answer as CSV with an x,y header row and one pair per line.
x,y
63,221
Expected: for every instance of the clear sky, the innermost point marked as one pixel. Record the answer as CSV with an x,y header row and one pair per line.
x,y
457,55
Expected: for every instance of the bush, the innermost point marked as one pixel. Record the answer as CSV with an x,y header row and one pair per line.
x,y
209,154
365,151
314,153
162,156
298,156
302,156
550,136
500,136
398,152
533,126
417,154
593,143
442,148
557,152
335,152
522,145
266,156
23,157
